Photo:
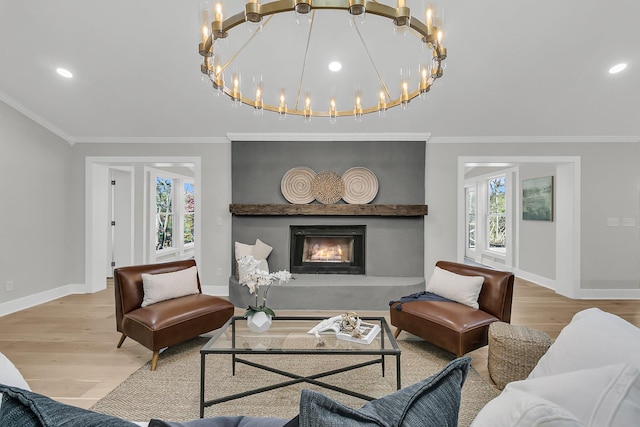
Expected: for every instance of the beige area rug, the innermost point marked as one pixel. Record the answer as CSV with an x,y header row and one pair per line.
x,y
172,392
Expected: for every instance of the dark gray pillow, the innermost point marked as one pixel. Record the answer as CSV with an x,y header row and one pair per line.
x,y
28,409
238,421
432,402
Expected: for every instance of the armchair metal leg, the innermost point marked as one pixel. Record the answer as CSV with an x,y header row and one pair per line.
x,y
154,360
122,338
397,332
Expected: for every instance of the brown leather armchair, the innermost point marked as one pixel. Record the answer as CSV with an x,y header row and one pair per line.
x,y
456,327
165,323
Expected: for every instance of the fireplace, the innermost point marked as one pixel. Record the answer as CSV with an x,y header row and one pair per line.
x,y
327,249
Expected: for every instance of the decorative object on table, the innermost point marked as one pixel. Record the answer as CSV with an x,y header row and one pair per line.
x,y
347,327
259,281
327,187
537,199
360,185
296,185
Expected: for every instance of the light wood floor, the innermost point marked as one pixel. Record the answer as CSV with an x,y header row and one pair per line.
x,y
66,349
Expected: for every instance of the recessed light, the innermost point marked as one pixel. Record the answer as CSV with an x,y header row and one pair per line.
x,y
617,68
64,72
335,66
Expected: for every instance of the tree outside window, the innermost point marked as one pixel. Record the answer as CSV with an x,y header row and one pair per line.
x,y
164,213
497,220
189,213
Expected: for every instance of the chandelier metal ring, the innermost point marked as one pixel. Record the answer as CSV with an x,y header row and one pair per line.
x,y
215,28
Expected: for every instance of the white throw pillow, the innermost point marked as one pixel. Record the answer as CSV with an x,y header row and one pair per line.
x,y
456,287
261,250
242,250
258,251
592,339
608,396
519,409
10,375
161,287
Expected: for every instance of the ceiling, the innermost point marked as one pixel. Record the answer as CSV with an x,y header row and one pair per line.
x,y
514,69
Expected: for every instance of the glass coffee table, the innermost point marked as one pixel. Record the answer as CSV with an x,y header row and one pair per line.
x,y
288,336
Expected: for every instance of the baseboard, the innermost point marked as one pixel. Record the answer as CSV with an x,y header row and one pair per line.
x,y
218,291
609,294
534,278
39,298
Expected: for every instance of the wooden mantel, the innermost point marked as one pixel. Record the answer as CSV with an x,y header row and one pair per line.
x,y
329,209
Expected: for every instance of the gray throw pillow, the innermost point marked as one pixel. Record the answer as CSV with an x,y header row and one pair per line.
x,y
238,421
28,409
432,402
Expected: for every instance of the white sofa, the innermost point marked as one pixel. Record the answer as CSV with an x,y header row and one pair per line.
x,y
590,376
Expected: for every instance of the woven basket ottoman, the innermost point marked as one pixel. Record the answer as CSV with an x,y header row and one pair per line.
x,y
514,351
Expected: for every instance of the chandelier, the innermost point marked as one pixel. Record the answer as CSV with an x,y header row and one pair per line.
x,y
284,72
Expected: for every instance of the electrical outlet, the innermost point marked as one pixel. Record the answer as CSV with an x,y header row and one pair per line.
x,y
613,222
628,222
219,271
9,285
219,221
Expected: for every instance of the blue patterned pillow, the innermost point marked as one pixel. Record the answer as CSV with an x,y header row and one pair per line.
x,y
432,402
27,409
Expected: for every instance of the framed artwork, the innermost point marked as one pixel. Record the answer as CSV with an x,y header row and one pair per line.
x,y
537,199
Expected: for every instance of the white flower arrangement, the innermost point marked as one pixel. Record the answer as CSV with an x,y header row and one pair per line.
x,y
254,278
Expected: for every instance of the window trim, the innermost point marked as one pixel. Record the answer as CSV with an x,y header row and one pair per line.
x,y
178,250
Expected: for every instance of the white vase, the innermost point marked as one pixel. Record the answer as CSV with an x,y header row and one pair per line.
x,y
259,322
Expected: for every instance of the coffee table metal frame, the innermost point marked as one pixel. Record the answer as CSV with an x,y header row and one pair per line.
x,y
360,350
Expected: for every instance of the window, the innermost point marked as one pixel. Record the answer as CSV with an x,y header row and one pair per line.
x,y
164,213
189,213
471,217
496,213
174,232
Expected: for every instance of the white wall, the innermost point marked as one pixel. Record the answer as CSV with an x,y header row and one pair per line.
x,y
610,184
537,239
214,247
35,210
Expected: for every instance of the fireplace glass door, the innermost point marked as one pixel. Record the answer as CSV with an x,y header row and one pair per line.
x,y
328,249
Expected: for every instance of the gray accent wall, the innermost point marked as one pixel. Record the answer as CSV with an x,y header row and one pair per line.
x,y
394,245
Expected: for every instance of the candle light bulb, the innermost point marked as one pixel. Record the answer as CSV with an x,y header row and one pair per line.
x,y
332,111
282,108
236,96
357,112
307,110
404,102
382,104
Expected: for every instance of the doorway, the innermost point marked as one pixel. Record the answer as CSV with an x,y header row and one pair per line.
x,y
565,242
98,208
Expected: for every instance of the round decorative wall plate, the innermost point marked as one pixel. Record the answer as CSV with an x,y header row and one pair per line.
x,y
360,185
327,187
296,185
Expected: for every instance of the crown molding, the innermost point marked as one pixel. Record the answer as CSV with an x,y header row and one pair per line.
x,y
331,137
151,140
532,139
35,117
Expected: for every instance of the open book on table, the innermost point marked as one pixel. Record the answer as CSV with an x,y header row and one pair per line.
x,y
364,332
